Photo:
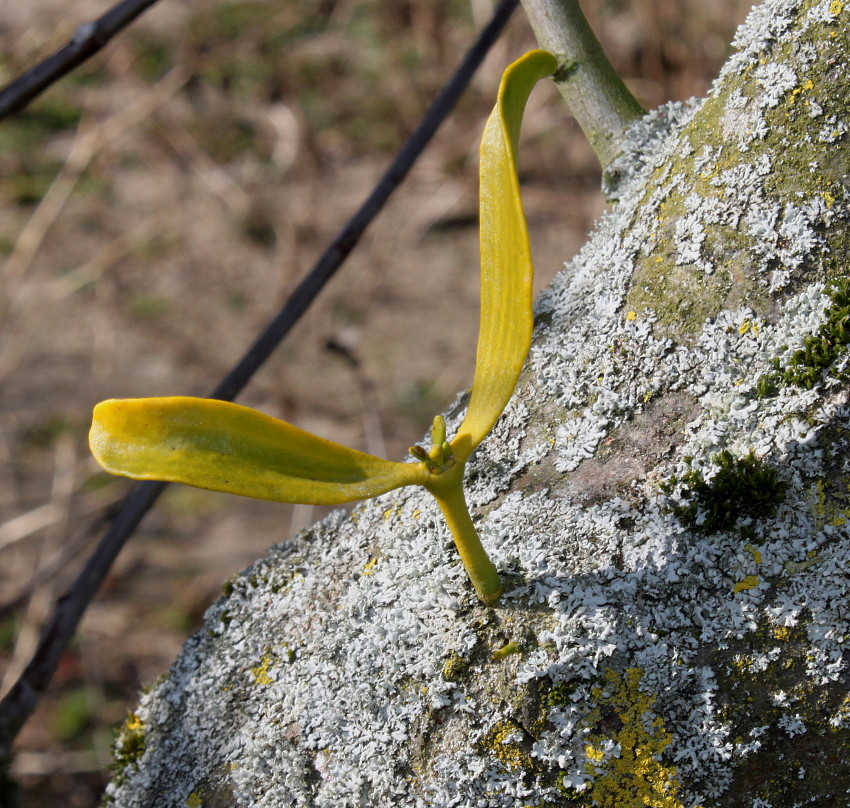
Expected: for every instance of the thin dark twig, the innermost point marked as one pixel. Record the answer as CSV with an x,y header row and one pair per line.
x,y
87,40
22,699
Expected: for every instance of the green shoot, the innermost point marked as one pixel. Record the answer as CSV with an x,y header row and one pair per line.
x,y
227,447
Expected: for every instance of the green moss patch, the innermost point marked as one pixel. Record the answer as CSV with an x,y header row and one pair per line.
x,y
742,486
129,746
820,350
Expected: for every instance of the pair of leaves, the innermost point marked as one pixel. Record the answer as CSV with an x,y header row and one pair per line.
x,y
227,447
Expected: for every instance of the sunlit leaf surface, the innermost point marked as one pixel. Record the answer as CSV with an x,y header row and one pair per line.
x,y
227,447
506,272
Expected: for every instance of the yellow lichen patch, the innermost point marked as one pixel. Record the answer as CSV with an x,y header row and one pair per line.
x,y
754,552
130,742
782,633
742,663
827,507
594,754
194,800
841,718
133,723
631,315
807,85
369,566
750,582
454,667
261,672
631,774
836,7
503,742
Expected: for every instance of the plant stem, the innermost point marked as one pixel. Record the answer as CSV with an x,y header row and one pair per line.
x,y
447,489
595,94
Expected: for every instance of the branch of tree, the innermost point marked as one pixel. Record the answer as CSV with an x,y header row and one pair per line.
x,y
88,39
595,94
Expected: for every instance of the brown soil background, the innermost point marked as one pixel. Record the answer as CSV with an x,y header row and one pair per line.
x,y
155,209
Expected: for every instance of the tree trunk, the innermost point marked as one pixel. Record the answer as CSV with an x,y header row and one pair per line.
x,y
666,497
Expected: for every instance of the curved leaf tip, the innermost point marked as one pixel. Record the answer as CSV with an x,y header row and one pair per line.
x,y
507,273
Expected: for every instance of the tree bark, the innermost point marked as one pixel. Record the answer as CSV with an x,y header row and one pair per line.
x,y
665,497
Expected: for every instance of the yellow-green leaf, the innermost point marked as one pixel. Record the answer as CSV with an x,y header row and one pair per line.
x,y
506,324
227,447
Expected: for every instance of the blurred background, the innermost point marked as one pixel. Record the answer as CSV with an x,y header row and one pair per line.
x,y
157,206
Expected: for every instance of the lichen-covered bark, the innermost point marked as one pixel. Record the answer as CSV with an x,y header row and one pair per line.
x,y
667,497
744,213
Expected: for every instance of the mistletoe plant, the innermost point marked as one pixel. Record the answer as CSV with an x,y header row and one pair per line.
x,y
227,447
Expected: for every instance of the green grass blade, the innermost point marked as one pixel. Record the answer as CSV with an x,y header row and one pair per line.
x,y
227,447
506,271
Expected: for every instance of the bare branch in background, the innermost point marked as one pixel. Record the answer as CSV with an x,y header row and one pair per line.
x,y
88,39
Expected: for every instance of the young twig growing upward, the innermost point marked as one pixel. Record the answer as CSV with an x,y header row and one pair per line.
x,y
595,94
226,447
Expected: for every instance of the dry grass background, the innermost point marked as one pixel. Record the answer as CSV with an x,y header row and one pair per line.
x,y
156,208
